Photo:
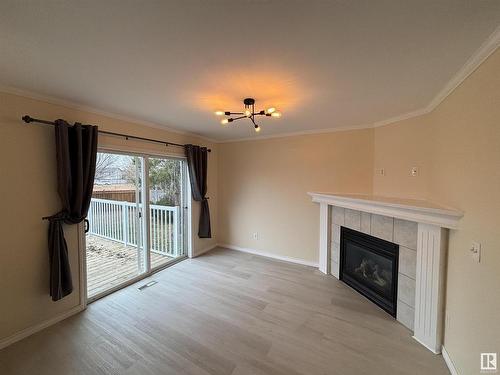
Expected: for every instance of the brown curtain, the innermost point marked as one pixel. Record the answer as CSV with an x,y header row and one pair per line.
x,y
76,150
197,166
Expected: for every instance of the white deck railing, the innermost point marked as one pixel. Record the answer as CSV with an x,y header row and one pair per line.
x,y
119,221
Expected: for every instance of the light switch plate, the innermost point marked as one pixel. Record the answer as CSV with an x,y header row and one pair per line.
x,y
414,172
476,251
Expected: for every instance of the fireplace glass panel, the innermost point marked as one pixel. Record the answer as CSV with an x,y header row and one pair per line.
x,y
369,268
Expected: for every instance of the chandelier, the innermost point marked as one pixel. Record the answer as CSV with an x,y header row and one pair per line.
x,y
248,112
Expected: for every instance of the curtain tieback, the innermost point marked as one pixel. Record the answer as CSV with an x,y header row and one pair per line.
x,y
64,216
60,216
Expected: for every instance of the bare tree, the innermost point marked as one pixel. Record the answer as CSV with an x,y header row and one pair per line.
x,y
104,162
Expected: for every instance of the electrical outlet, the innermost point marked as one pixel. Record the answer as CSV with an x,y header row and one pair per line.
x,y
476,251
414,172
255,235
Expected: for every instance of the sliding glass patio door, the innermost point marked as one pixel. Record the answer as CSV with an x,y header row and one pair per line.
x,y
166,213
135,219
115,238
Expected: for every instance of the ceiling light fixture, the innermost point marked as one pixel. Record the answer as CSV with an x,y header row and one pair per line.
x,y
248,112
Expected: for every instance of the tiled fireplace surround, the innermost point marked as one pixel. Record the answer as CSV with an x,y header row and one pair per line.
x,y
401,232
420,228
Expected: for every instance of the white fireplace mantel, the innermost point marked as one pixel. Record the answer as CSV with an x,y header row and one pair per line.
x,y
407,209
433,221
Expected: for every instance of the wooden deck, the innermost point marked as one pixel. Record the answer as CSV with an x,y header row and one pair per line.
x,y
110,263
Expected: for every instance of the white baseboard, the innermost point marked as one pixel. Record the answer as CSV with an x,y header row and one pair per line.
x,y
271,255
427,346
449,362
206,249
36,328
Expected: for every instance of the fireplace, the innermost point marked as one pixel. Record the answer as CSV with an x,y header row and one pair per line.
x,y
370,266
419,306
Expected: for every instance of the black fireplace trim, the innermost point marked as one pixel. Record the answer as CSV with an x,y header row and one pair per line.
x,y
376,245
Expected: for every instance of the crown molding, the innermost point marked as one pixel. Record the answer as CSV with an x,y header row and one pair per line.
x,y
377,124
81,107
297,133
489,46
404,116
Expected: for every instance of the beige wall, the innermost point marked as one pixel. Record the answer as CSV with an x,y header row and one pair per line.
x,y
263,185
263,188
457,147
398,148
28,192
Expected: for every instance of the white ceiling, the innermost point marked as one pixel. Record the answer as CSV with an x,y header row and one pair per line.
x,y
324,64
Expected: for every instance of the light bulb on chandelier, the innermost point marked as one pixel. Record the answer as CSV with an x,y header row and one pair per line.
x,y
226,120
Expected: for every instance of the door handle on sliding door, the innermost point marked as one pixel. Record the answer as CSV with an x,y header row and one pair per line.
x,y
86,225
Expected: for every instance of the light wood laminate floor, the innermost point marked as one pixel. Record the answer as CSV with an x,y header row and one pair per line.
x,y
227,312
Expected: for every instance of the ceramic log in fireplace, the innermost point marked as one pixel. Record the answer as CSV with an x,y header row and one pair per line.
x,y
370,266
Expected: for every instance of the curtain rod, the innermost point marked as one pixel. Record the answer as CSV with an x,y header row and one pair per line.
x,y
27,119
